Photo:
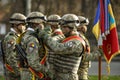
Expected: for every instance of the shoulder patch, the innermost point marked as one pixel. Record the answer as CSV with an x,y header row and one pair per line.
x,y
32,45
10,43
30,49
69,44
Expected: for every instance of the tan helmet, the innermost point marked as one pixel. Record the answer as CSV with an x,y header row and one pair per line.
x,y
83,21
70,20
36,17
17,18
53,19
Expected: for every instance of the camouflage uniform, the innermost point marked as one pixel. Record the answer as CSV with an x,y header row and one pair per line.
x,y
11,57
68,52
53,22
84,65
33,47
87,55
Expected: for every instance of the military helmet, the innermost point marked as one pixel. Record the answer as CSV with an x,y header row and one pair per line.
x,y
70,20
17,18
36,17
53,19
83,21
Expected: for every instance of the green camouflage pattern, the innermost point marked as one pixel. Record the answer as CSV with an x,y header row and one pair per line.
x,y
25,74
11,55
34,52
66,76
72,47
84,65
52,55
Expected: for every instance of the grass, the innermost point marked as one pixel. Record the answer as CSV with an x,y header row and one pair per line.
x,y
105,77
92,78
1,78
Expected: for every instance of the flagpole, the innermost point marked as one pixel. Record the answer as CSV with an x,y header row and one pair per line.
x,y
99,65
99,70
100,42
104,21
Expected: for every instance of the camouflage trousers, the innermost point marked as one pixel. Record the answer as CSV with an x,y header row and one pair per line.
x,y
66,76
83,74
25,74
51,71
83,70
12,76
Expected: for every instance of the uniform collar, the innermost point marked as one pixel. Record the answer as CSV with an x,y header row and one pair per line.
x,y
31,29
13,30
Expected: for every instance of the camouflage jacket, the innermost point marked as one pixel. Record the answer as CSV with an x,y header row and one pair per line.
x,y
86,42
72,46
58,35
9,42
33,48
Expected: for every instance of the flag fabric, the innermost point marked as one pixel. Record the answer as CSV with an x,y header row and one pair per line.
x,y
105,30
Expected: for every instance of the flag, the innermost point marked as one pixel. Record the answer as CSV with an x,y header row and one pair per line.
x,y
105,30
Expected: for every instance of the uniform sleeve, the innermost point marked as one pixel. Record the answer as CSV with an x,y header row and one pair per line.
x,y
9,48
91,56
9,43
58,38
32,50
70,47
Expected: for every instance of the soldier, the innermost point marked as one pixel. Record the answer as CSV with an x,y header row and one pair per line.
x,y
68,51
53,21
33,49
17,22
82,29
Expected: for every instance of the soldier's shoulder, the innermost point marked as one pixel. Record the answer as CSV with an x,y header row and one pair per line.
x,y
72,43
75,40
10,35
29,38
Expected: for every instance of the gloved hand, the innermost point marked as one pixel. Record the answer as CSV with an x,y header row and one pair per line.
x,y
48,29
100,51
44,34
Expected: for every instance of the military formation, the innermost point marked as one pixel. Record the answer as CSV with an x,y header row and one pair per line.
x,y
47,48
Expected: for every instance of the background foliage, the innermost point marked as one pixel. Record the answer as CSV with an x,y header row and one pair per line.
x,y
85,8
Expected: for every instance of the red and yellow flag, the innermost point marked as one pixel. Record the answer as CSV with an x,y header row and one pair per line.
x,y
105,30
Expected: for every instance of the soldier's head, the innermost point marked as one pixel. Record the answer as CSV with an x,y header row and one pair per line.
x,y
36,20
83,24
18,21
69,23
53,20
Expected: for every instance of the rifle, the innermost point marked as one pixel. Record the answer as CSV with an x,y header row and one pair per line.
x,y
2,55
23,54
